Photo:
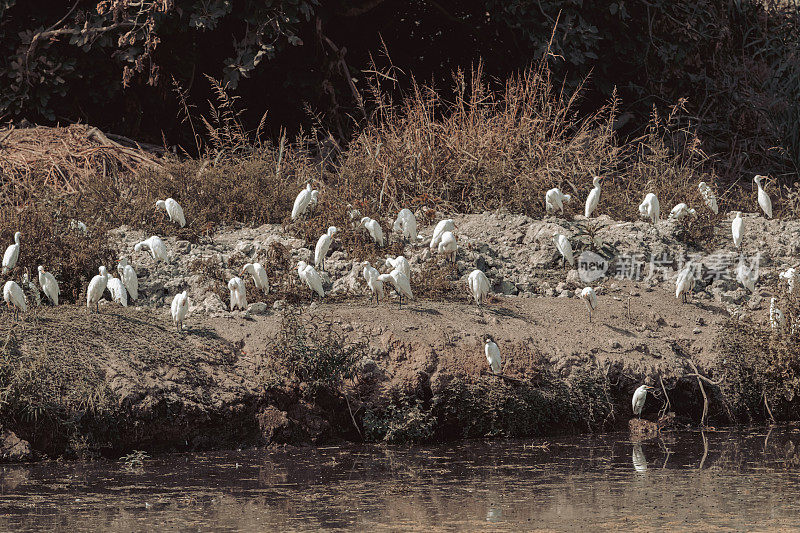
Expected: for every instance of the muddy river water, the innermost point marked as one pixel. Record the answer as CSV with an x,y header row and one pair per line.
x,y
738,480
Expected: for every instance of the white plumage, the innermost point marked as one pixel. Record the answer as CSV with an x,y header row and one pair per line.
x,y
156,247
301,202
564,248
684,282
790,275
709,196
594,197
448,245
13,295
443,225
737,229
406,224
77,225
179,309
400,263
238,293
49,285
97,286
554,200
128,276
589,296
492,355
12,254
776,318
117,290
639,397
374,230
174,211
259,275
400,282
478,285
323,245
681,210
746,275
763,198
310,276
650,208
375,285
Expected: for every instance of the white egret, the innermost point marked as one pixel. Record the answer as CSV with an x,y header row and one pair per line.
x,y
478,285
49,285
156,247
790,275
310,276
375,285
589,296
77,225
179,309
174,211
400,263
312,204
492,354
684,282
323,244
681,210
776,318
639,397
12,254
746,275
443,225
400,283
128,276
259,275
448,246
406,225
709,196
301,202
117,290
737,229
96,288
594,197
564,248
374,230
650,208
13,295
238,293
554,200
764,200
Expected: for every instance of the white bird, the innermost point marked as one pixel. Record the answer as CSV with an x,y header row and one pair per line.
x,y
639,397
400,263
747,275
443,225
400,283
564,248
737,229
594,197
13,295
790,275
492,354
96,288
478,285
650,208
374,230
589,296
310,276
312,204
117,290
680,211
776,318
128,276
238,293
448,246
554,199
684,282
763,198
323,244
12,254
77,225
179,309
49,285
709,196
406,224
156,247
301,202
174,211
375,285
259,275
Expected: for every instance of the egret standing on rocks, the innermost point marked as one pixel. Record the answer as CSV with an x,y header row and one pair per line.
x,y
400,283
737,229
790,275
776,318
406,224
639,397
179,309
174,211
564,248
594,197
117,290
400,263
238,293
589,296
554,200
684,282
492,354
323,244
301,202
448,246
12,254
128,276
49,285
478,285
708,196
680,211
374,230
96,289
156,247
443,226
763,198
746,275
13,295
310,276
650,208
259,275
375,285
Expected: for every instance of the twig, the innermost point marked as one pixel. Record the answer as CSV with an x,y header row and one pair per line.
x,y
769,411
353,418
668,404
702,390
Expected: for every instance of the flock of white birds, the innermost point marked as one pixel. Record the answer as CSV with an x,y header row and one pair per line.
x,y
443,241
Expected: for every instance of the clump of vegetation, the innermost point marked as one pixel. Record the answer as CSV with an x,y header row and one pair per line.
x,y
407,421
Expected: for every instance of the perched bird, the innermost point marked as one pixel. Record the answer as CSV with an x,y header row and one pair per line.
x,y
400,263
375,285
117,290
13,295
763,198
400,283
709,196
174,211
238,293
310,276
128,276
492,354
650,208
323,244
12,254
301,202
564,248
747,275
680,211
448,246
554,199
737,229
156,247
590,297
594,197
478,285
684,282
443,226
406,224
49,285
312,204
179,309
776,318
259,275
790,275
374,230
96,288
639,396
77,225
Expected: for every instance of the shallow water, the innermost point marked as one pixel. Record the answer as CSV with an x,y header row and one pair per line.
x,y
714,481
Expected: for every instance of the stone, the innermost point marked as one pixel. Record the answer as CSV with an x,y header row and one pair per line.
x,y
14,449
258,308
